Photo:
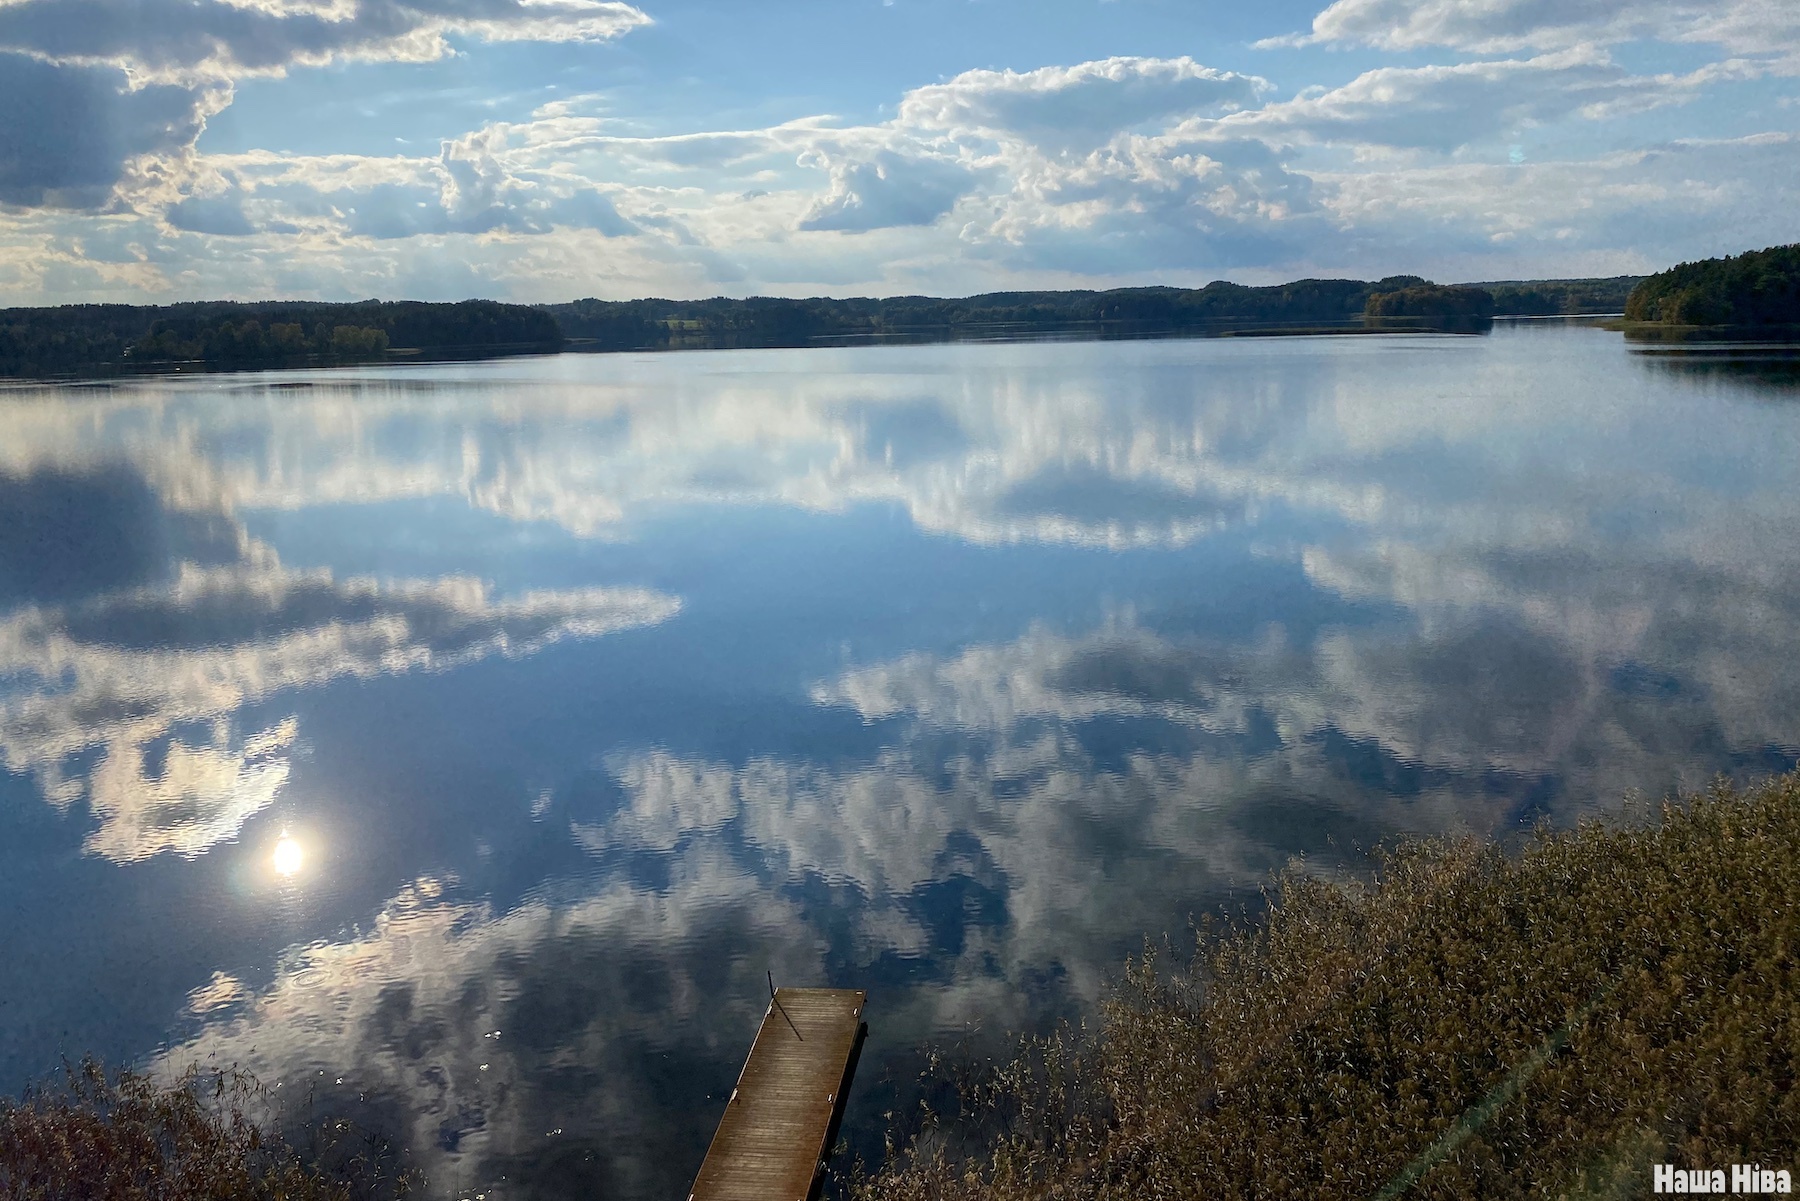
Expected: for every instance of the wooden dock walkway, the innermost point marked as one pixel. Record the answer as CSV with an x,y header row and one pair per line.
x,y
783,1115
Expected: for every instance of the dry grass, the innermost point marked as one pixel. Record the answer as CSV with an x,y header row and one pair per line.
x,y
1469,1024
95,1136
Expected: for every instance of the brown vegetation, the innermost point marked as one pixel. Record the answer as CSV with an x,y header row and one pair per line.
x,y
1469,1024
102,1137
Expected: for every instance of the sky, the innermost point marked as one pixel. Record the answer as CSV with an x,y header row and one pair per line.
x,y
545,150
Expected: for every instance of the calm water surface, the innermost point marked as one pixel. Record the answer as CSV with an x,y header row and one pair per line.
x,y
462,744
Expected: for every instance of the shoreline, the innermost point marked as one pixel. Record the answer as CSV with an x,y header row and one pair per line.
x,y
955,335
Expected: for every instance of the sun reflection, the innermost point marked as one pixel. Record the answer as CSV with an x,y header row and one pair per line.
x,y
289,856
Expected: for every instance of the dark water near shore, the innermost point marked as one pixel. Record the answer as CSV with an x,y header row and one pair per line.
x,y
461,744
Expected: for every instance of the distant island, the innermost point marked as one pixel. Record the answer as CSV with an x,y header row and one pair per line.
x,y
1756,294
101,339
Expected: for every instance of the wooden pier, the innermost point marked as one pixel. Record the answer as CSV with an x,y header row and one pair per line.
x,y
783,1115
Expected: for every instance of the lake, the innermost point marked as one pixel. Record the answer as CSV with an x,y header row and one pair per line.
x,y
458,746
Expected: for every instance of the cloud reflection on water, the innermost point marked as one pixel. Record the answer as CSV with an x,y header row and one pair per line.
x,y
451,1019
975,449
977,896
153,679
1520,579
989,867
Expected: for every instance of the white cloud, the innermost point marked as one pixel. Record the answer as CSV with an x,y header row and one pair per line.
x,y
71,131
1078,107
90,86
479,184
1115,171
888,189
1680,199
1489,26
1059,137
188,40
482,192
1449,107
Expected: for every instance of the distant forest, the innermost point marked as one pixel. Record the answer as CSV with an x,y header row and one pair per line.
x,y
220,335
1393,304
1754,292
1561,297
88,338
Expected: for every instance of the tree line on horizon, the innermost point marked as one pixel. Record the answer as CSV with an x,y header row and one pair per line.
x,y
1300,306
229,335
226,335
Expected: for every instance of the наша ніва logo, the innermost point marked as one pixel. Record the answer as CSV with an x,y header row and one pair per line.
x,y
1743,1178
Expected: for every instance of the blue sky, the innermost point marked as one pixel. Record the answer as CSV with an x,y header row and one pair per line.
x,y
548,149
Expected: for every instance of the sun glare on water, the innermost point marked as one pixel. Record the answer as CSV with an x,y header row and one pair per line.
x,y
288,856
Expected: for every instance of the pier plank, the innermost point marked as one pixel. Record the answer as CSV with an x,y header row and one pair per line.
x,y
772,1142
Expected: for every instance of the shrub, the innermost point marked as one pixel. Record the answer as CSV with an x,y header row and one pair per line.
x,y
95,1136
1467,1024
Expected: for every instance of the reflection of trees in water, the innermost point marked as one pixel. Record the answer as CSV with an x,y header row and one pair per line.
x,y
1766,371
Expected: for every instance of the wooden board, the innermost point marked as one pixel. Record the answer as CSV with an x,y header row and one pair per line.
x,y
778,1126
